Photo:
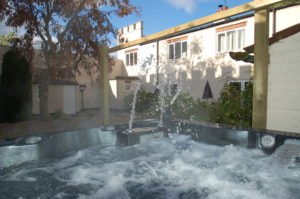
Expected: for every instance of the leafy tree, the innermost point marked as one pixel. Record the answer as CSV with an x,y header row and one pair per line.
x,y
285,3
69,32
15,87
7,39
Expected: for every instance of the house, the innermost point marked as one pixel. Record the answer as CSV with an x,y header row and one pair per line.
x,y
63,89
283,97
71,92
189,59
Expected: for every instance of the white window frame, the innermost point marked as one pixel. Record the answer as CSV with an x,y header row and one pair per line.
x,y
236,46
131,59
243,83
182,53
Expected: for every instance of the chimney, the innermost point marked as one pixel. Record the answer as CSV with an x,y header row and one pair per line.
x,y
220,8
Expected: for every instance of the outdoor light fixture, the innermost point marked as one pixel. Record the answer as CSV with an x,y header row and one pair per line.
x,y
82,87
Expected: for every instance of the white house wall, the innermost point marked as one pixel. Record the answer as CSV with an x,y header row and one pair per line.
x,y
92,92
287,17
283,111
146,66
69,99
202,63
35,100
55,98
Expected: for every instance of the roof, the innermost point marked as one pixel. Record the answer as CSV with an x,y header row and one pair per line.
x,y
278,36
63,76
202,23
202,27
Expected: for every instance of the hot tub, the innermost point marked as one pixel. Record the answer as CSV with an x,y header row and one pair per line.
x,y
175,166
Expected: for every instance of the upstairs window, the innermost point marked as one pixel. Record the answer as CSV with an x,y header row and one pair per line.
x,y
131,59
178,50
231,40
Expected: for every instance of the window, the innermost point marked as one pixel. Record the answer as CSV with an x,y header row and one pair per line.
x,y
241,38
178,50
127,87
171,51
221,42
170,89
240,85
231,40
131,59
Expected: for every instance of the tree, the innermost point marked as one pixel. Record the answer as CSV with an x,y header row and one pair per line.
x,y
7,39
15,87
69,32
285,3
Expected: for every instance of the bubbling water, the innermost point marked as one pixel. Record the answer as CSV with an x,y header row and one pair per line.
x,y
176,167
132,114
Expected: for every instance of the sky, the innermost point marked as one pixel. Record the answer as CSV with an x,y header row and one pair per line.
x,y
159,15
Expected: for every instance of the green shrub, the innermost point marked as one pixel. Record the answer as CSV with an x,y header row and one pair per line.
x,y
189,108
184,107
59,114
235,107
146,102
15,87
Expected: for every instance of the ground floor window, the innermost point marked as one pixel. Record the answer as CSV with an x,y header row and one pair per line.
x,y
240,84
170,89
127,87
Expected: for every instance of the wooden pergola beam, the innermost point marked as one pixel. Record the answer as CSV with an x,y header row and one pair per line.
x,y
261,63
251,6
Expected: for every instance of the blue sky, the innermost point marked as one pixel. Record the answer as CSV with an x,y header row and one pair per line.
x,y
159,15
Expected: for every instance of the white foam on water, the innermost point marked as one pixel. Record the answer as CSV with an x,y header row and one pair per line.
x,y
175,167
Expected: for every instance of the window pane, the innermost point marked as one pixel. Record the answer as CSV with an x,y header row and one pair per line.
x,y
231,40
171,51
178,50
127,59
249,85
235,85
174,89
221,42
131,59
135,58
184,49
241,39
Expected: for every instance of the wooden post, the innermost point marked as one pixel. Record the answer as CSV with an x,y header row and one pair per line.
x,y
261,62
104,84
